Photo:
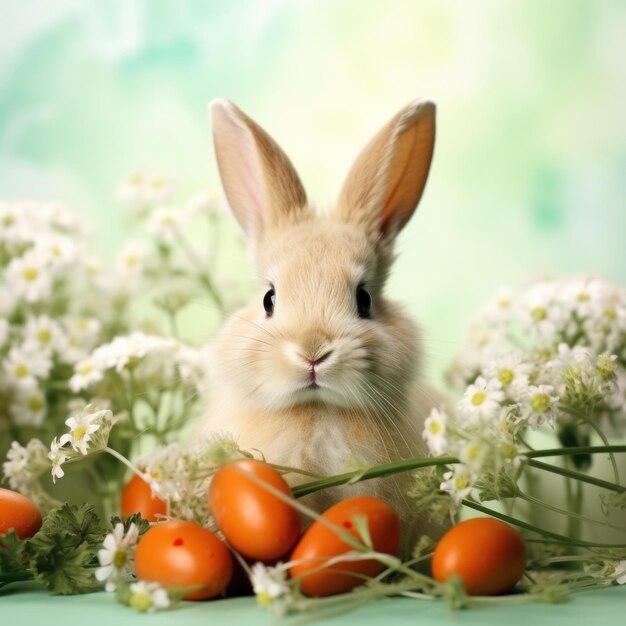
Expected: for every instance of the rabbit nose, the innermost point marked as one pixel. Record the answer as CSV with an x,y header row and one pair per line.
x,y
317,360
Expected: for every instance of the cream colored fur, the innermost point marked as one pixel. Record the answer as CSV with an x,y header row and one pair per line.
x,y
370,404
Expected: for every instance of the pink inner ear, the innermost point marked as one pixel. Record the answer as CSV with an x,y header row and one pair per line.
x,y
240,168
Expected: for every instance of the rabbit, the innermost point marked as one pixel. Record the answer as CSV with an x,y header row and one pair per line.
x,y
321,371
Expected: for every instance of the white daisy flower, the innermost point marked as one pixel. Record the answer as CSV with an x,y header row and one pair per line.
x,y
269,583
23,365
540,312
539,405
30,277
473,454
82,426
117,555
583,296
58,456
481,401
60,250
41,333
166,223
81,337
458,483
435,431
29,406
132,260
510,372
148,597
86,373
501,309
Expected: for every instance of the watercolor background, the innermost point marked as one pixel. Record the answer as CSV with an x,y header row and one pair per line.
x,y
529,173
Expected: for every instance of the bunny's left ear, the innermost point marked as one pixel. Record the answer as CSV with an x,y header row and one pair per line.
x,y
262,186
386,182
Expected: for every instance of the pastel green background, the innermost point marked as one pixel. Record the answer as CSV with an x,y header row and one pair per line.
x,y
529,173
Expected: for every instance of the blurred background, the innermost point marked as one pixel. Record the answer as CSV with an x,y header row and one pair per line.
x,y
529,173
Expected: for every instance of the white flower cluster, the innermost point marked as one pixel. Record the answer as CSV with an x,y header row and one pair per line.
x,y
159,361
39,244
47,274
553,357
586,312
69,335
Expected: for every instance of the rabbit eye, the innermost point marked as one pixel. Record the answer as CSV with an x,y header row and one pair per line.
x,y
268,302
363,302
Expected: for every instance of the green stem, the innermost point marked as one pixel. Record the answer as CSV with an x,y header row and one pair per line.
x,y
568,473
534,454
546,533
420,462
124,460
373,472
605,441
173,324
571,513
203,275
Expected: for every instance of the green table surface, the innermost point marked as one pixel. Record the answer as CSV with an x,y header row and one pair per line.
x,y
25,606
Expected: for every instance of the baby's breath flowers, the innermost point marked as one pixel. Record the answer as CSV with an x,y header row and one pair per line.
x,y
552,358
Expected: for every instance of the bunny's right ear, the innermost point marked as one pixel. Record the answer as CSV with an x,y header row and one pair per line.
x,y
261,184
386,182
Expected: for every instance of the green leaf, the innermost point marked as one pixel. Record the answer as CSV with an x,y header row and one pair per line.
x,y
142,524
63,554
13,565
80,521
63,568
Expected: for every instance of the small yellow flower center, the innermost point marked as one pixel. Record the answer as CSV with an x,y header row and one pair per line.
x,y
85,368
44,335
434,427
30,274
605,367
35,403
158,181
119,559
540,402
508,450
141,602
539,314
136,178
263,598
461,482
478,398
22,370
611,313
132,260
583,296
506,376
472,452
79,432
8,219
